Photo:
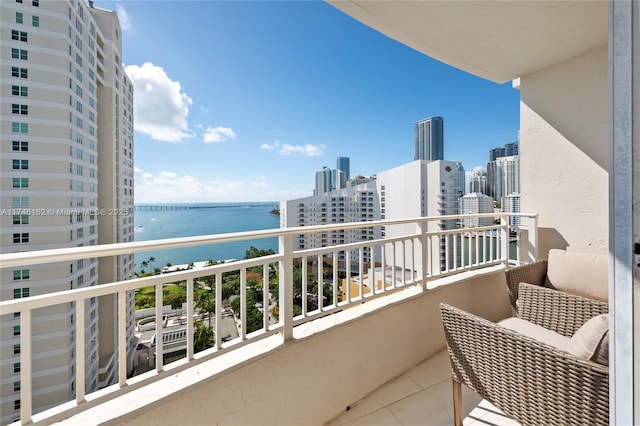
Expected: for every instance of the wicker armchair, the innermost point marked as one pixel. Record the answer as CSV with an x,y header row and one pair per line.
x,y
535,383
532,273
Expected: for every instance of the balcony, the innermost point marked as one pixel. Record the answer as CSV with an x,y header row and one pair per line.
x,y
312,367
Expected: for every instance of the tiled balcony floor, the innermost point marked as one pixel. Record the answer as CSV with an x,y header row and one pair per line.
x,y
422,396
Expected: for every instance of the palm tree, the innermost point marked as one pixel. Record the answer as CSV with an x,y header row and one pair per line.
x,y
205,302
203,337
144,264
151,260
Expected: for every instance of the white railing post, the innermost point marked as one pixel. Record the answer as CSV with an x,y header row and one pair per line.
x,y
80,351
533,238
504,239
285,249
190,327
122,338
159,329
26,377
424,251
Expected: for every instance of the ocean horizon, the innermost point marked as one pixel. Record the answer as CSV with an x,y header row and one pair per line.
x,y
192,219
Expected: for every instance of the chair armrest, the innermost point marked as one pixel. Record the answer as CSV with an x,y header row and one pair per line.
x,y
529,380
532,273
556,310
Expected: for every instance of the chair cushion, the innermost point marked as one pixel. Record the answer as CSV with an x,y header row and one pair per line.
x,y
583,274
536,332
591,341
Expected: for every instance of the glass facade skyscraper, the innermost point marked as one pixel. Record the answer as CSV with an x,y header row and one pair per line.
x,y
430,139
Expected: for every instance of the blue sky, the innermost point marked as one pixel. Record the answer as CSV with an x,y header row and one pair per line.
x,y
244,101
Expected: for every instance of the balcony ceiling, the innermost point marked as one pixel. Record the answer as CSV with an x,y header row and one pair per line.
x,y
496,40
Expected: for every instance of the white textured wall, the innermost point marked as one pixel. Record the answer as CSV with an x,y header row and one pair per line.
x,y
564,152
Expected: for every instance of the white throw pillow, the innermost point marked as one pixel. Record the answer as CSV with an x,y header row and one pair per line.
x,y
591,341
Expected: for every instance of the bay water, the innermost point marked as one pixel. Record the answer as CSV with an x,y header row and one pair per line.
x,y
203,219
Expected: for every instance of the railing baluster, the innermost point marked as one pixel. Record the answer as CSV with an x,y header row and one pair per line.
x,y
372,272
285,248
243,303
361,271
336,287
532,238
347,257
218,295
159,328
320,279
303,288
80,350
122,338
190,328
265,296
26,370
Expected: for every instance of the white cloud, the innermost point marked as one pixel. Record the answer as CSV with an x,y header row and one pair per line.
x,y
169,187
218,134
306,150
123,16
137,169
477,169
160,108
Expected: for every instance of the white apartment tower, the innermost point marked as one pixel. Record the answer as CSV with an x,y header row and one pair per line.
x,y
474,203
67,180
357,203
417,189
503,176
511,204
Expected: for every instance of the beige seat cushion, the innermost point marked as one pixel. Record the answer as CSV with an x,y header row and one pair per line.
x,y
583,274
536,332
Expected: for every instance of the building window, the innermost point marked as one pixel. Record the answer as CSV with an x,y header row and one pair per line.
x,y
21,274
20,202
20,164
36,3
19,90
19,72
16,349
80,233
19,127
19,54
20,238
19,109
19,17
20,146
16,386
19,293
35,21
20,182
20,219
16,332
16,404
19,35
78,169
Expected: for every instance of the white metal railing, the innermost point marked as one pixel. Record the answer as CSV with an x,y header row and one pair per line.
x,y
328,279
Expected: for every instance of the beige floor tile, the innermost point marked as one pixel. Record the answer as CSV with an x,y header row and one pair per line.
x,y
430,406
432,371
393,391
381,417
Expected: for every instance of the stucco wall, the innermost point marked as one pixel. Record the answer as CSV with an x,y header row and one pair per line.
x,y
564,152
313,379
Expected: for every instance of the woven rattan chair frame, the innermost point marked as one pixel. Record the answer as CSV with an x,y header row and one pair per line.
x,y
532,382
532,273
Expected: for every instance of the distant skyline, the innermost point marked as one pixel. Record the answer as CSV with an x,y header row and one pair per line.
x,y
245,101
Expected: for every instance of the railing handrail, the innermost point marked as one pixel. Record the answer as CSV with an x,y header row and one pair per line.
x,y
35,257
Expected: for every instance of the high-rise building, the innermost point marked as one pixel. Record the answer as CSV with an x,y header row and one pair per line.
x,y
67,181
511,204
418,189
342,172
511,149
478,182
503,176
474,203
324,180
429,139
358,203
496,153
